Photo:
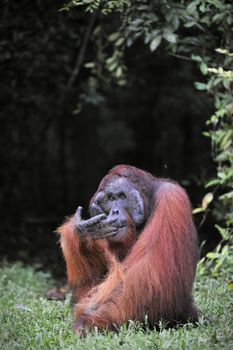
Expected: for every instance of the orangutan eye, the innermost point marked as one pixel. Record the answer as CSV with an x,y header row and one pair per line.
x,y
110,197
122,195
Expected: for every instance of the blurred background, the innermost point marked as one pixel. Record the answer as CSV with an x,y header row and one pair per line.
x,y
63,128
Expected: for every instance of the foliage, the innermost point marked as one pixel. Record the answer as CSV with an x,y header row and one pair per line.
x,y
200,31
29,321
218,262
218,68
155,22
103,6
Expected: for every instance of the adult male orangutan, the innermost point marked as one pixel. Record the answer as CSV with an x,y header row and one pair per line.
x,y
136,255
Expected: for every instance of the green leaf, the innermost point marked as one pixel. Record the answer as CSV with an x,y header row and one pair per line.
x,y
122,82
230,285
226,196
155,33
190,24
170,37
113,36
207,199
212,183
226,84
112,66
155,42
226,140
203,68
202,7
197,210
200,86
192,7
224,232
119,72
206,133
89,65
196,58
212,255
217,81
119,42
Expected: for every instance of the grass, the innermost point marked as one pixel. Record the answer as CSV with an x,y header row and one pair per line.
x,y
29,321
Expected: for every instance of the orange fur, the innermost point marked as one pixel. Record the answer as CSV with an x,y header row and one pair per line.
x,y
156,273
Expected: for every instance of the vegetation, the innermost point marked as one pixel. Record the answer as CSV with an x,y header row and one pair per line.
x,y
199,31
217,66
29,321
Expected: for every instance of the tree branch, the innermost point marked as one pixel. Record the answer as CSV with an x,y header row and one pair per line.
x,y
81,53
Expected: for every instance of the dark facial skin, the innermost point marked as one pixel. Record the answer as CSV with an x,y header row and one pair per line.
x,y
110,211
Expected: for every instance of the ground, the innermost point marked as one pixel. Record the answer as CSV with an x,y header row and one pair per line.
x,y
29,321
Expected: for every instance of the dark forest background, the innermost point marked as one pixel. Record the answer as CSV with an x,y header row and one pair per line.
x,y
54,153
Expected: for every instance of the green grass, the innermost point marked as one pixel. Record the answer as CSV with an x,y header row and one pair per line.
x,y
29,321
